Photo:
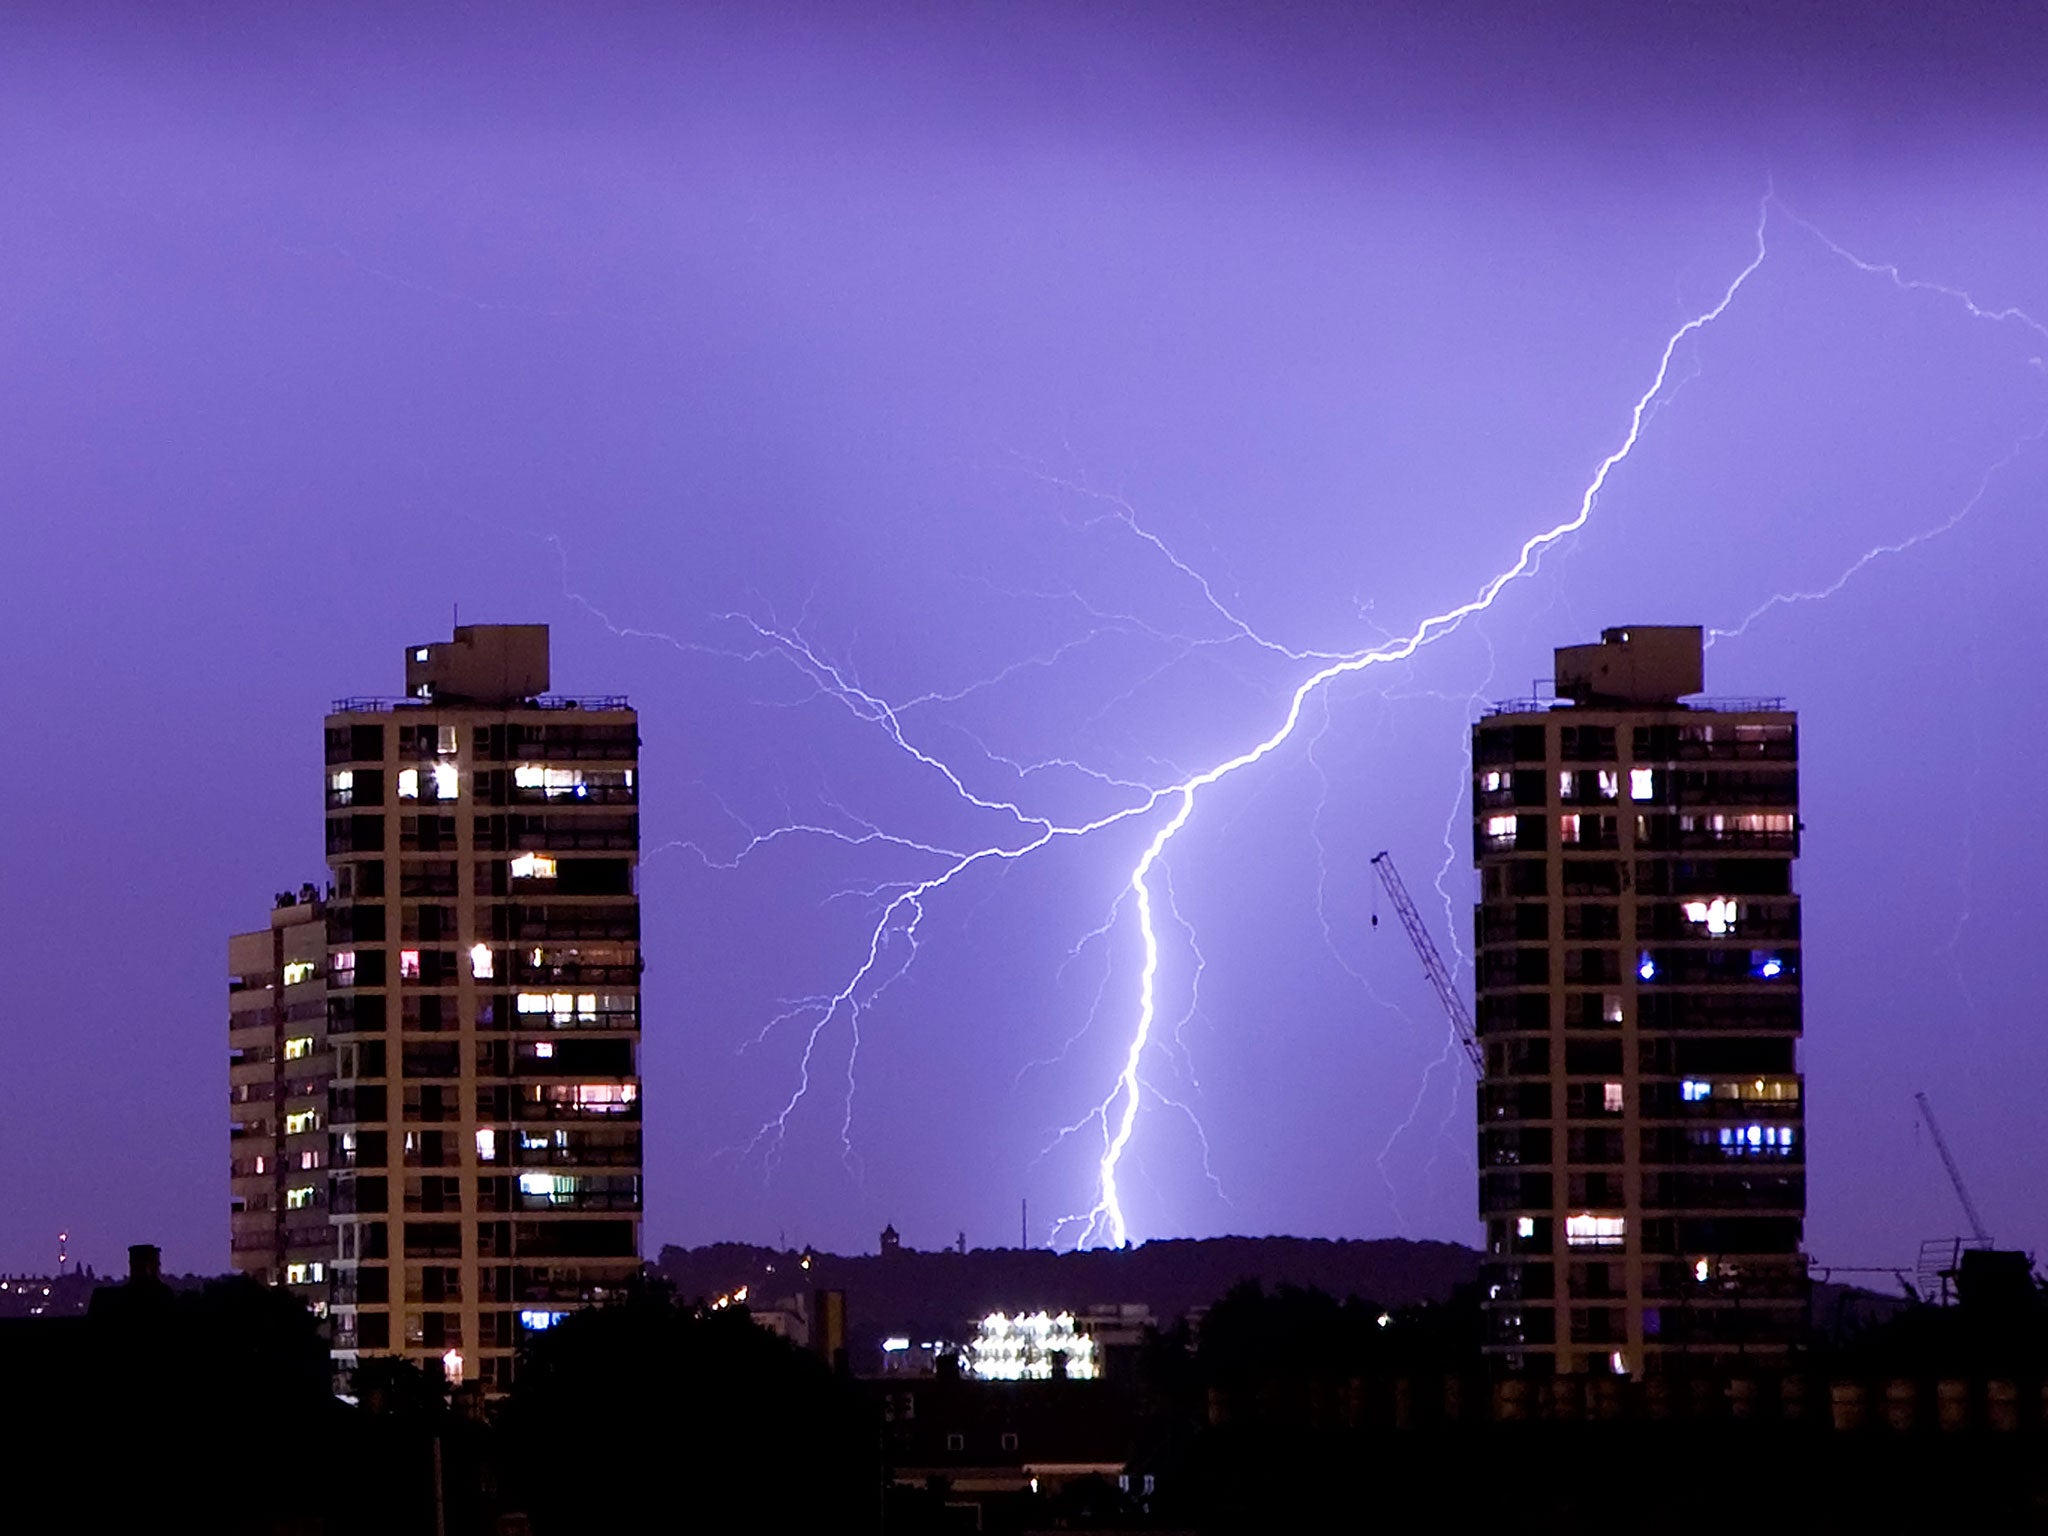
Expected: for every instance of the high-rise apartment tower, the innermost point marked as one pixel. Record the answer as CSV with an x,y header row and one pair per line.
x,y
483,983
1641,1141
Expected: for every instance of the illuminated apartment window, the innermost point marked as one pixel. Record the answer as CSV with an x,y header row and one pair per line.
x,y
296,971
409,964
408,783
299,1122
1567,784
1525,1226
308,1160
295,1274
1500,831
480,963
1642,784
341,966
1755,1090
1717,916
1568,828
1610,784
566,1008
298,1046
298,1197
538,866
444,743
342,787
544,1050
1611,1098
1588,1231
447,781
1692,1090
319,1271
1494,781
487,1145
262,1164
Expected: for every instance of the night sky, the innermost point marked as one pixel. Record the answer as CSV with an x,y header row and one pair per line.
x,y
921,405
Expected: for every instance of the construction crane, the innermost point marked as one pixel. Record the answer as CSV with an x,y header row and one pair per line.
x,y
1955,1174
1432,963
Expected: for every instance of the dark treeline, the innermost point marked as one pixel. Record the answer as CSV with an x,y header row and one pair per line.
x,y
213,1409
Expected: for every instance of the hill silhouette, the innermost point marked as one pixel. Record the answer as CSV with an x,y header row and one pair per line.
x,y
934,1295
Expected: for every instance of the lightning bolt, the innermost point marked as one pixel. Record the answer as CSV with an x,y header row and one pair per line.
x,y
1107,1220
1162,808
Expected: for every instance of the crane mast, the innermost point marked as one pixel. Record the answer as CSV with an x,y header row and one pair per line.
x,y
1432,963
1955,1174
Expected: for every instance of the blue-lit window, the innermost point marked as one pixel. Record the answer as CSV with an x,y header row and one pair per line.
x,y
1768,964
1758,1140
539,1322
1693,1091
1646,967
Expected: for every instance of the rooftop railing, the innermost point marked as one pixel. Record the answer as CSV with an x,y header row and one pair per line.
x,y
372,704
1538,704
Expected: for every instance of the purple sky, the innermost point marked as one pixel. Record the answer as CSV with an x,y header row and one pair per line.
x,y
674,320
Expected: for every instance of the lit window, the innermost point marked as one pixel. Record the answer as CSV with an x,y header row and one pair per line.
x,y
1646,967
1501,829
1610,1007
445,741
298,1046
1611,1098
1589,1231
451,1366
1568,828
295,1274
1692,1090
1616,1364
299,1121
408,783
1610,783
341,966
262,1164
308,1160
554,783
544,1049
1525,1226
296,971
298,1197
319,1271
487,1145
1717,916
420,654
341,787
447,781
1642,784
1567,781
1765,966
1701,1269
538,1322
409,964
1494,782
538,866
481,964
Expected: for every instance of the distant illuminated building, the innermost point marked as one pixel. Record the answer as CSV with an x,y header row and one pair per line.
x,y
1641,1141
1034,1346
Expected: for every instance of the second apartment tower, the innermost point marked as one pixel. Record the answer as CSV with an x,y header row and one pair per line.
x,y
483,982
